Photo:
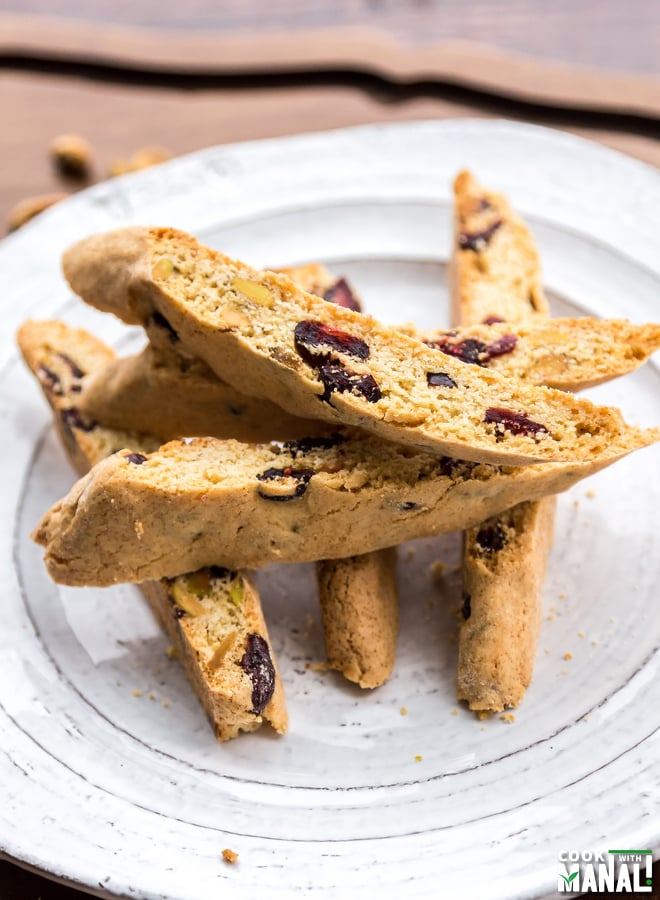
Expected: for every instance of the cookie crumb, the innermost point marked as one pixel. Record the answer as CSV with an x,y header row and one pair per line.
x,y
437,570
403,711
136,692
562,596
229,856
547,651
551,618
594,643
591,494
410,552
165,704
567,655
585,718
320,667
576,504
151,696
454,712
419,758
483,728
139,529
581,634
171,652
563,672
508,718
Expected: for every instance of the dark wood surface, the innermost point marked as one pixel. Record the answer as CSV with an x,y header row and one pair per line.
x,y
187,75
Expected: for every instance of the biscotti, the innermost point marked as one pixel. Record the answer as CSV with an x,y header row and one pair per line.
x,y
205,502
213,617
504,559
262,334
170,395
503,569
495,273
360,609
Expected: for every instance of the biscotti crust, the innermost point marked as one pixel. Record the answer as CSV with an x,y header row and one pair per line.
x,y
206,502
258,331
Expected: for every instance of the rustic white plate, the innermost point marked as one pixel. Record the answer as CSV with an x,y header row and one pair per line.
x,y
125,795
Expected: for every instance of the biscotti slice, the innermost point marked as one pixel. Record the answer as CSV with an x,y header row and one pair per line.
x,y
495,273
213,617
360,609
504,559
262,334
205,502
503,570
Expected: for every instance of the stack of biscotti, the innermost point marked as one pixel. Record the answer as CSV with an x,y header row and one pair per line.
x,y
445,442
213,616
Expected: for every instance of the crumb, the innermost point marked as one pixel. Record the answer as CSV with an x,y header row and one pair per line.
x,y
403,711
483,728
139,529
508,718
171,652
419,758
454,712
576,504
483,714
165,704
437,570
320,667
594,643
551,618
563,672
410,552
590,494
308,664
229,856
151,696
136,692
562,596
581,634
567,655
553,609
547,651
585,718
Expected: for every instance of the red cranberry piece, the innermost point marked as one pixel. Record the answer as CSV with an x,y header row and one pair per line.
x,y
76,371
50,380
304,445
340,294
136,458
491,538
309,334
493,320
440,379
468,351
466,606
257,663
516,423
339,378
478,240
502,346
72,419
299,479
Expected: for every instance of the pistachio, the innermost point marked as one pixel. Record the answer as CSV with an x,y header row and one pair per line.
x,y
233,318
27,209
255,290
72,155
237,591
163,268
222,649
185,600
199,583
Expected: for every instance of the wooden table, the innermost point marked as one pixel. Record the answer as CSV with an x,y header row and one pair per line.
x,y
186,76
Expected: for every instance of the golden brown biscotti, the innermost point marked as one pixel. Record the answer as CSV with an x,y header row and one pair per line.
x,y
360,609
494,272
213,616
503,570
206,502
502,611
262,334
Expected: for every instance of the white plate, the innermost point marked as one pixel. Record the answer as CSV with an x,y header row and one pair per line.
x,y
127,796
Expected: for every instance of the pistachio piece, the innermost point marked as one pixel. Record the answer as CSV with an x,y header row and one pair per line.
x,y
233,318
199,583
71,155
185,600
255,290
163,268
222,650
237,591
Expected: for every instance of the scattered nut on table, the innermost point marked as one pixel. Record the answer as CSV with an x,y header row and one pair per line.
x,y
141,159
27,209
72,156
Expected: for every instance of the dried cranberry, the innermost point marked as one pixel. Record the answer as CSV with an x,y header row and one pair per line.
x,y
305,445
50,380
72,419
478,240
221,572
258,664
339,378
308,334
76,371
468,351
340,294
300,480
466,606
516,423
493,320
440,379
136,458
160,321
500,347
491,538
